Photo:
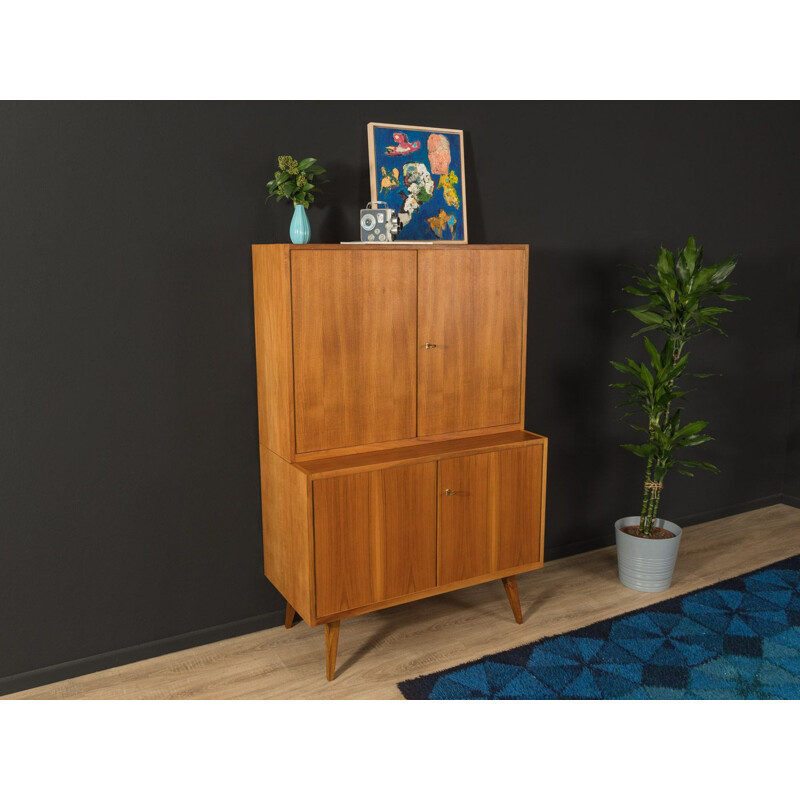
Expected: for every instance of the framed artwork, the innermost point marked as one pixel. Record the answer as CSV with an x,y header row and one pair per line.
x,y
419,172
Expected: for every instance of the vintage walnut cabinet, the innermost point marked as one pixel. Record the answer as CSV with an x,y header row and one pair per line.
x,y
391,391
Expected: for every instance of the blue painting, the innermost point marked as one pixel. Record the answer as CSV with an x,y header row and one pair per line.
x,y
419,172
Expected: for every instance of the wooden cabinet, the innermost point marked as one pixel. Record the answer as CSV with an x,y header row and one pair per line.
x,y
394,460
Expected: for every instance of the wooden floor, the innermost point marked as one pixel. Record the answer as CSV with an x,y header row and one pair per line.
x,y
378,650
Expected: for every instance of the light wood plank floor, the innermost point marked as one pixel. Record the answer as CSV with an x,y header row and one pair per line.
x,y
378,650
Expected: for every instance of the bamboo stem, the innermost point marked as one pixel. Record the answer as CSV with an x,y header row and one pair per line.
x,y
652,505
646,495
656,503
647,527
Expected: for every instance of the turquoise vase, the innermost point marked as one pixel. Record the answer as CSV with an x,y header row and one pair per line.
x,y
300,230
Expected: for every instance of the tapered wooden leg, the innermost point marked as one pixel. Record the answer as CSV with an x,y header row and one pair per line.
x,y
331,643
512,592
289,621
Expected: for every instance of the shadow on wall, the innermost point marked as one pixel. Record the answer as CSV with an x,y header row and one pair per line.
x,y
791,484
334,214
347,192
589,476
475,227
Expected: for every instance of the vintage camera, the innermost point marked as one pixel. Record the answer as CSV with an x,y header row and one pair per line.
x,y
379,223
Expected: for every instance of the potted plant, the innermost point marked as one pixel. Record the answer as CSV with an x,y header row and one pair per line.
x,y
297,181
680,301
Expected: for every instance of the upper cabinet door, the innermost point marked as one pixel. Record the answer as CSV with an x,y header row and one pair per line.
x,y
470,328
354,325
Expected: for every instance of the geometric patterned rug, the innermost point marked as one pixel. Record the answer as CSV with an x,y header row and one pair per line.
x,y
737,639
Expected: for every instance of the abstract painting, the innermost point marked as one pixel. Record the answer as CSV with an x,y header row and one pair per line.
x,y
419,172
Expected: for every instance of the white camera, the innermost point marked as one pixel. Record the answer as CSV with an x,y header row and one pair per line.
x,y
379,223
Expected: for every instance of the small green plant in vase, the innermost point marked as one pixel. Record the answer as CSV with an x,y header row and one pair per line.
x,y
297,181
681,301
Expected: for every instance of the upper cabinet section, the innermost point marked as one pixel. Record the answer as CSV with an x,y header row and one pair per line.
x,y
471,318
355,356
374,346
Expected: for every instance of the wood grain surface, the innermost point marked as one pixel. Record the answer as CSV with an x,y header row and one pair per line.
x,y
464,445
492,521
397,246
397,445
375,536
331,646
273,327
512,593
403,509
470,331
346,558
464,546
287,532
355,360
380,649
518,508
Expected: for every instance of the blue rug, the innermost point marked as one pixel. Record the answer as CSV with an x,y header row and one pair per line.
x,y
738,639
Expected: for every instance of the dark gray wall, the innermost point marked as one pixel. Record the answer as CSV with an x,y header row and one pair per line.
x,y
791,486
129,491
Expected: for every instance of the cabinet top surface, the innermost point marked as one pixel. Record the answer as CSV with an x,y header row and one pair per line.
x,y
424,451
396,246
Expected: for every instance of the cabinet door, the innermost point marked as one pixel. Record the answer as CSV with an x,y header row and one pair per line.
x,y
471,307
374,536
490,509
354,330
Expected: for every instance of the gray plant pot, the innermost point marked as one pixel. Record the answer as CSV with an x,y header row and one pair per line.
x,y
646,564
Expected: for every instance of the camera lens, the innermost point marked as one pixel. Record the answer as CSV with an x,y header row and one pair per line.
x,y
368,222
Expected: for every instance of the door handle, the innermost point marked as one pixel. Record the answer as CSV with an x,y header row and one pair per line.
x,y
429,345
450,492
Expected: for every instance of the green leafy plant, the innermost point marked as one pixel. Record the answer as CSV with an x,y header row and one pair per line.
x,y
296,181
681,299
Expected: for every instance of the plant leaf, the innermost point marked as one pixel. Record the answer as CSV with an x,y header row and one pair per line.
x,y
644,330
721,271
642,450
699,465
655,356
666,265
692,428
648,317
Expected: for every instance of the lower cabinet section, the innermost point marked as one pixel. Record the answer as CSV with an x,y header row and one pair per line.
x,y
377,532
397,531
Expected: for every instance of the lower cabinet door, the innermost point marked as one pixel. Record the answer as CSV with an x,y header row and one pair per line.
x,y
374,536
489,513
